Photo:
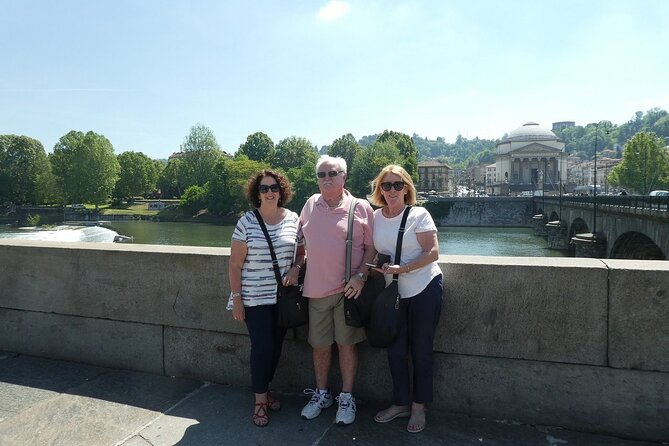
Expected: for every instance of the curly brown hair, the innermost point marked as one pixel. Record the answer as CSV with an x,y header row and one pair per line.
x,y
253,194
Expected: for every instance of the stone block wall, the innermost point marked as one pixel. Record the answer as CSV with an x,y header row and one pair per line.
x,y
580,343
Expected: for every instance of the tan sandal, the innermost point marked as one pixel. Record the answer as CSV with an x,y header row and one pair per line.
x,y
391,413
260,417
417,421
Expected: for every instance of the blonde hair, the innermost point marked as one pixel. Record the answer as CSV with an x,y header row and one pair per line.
x,y
377,197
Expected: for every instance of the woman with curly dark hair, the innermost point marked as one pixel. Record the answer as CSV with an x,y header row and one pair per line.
x,y
253,282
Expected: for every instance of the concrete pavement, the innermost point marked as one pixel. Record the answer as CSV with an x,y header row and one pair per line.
x,y
50,402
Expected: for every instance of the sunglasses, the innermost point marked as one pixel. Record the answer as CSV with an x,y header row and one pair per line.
x,y
397,185
332,173
263,188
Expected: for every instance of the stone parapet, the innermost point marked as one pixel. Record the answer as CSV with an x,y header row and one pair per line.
x,y
575,342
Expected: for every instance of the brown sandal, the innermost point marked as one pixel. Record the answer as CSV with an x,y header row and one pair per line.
x,y
260,417
272,403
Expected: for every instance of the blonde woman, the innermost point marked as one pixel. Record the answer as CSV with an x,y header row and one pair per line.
x,y
420,287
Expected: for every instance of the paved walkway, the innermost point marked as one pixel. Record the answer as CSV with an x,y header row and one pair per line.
x,y
48,402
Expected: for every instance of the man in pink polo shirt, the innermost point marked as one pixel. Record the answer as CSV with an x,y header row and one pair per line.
x,y
324,223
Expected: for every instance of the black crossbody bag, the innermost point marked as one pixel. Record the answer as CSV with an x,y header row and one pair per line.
x,y
357,312
292,308
387,313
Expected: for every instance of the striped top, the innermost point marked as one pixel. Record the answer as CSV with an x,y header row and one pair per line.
x,y
258,279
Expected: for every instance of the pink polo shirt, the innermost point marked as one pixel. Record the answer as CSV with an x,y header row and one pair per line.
x,y
324,231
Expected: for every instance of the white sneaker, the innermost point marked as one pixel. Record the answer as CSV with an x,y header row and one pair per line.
x,y
346,412
318,402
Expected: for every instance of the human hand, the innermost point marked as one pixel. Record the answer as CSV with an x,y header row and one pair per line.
x,y
292,277
353,288
238,313
390,269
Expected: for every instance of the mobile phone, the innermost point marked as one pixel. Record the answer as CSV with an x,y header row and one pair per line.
x,y
383,258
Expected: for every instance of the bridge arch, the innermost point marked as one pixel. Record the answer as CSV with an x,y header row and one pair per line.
x,y
635,245
578,226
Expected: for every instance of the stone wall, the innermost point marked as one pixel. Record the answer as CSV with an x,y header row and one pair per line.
x,y
580,343
488,211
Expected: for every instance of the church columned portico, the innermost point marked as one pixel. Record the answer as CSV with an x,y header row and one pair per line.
x,y
531,158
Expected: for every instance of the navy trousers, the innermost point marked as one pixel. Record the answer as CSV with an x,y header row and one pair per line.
x,y
266,344
417,333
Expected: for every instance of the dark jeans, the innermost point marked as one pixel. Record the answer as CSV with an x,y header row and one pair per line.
x,y
266,344
422,316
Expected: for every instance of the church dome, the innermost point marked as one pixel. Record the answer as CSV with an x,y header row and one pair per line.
x,y
531,131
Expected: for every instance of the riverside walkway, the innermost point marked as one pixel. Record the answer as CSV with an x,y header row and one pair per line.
x,y
50,402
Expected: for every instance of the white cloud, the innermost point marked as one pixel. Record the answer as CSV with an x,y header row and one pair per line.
x,y
332,10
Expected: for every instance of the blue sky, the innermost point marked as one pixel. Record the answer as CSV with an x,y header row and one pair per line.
x,y
143,72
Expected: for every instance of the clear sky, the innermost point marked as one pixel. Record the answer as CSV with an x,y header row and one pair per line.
x,y
143,72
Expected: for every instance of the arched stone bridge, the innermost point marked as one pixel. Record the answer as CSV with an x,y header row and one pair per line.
x,y
626,227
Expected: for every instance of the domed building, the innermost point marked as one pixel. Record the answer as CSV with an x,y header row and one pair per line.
x,y
530,158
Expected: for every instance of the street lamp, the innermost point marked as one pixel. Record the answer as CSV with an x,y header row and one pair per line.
x,y
594,189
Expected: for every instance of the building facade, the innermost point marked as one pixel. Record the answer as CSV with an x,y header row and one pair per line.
x,y
434,175
531,158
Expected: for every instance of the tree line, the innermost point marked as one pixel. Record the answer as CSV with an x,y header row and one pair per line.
x,y
83,168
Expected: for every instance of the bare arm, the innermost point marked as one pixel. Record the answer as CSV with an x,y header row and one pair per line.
x,y
430,246
238,251
293,273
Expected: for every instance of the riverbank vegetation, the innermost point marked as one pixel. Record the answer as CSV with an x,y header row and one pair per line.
x,y
208,182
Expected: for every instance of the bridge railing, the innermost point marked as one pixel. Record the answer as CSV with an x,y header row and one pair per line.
x,y
626,201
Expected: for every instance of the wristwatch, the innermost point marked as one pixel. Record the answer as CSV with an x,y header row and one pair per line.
x,y
362,277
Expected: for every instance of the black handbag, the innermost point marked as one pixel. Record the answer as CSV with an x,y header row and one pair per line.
x,y
357,311
292,308
387,312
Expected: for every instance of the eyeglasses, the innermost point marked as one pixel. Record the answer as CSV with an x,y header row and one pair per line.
x,y
331,174
397,185
263,188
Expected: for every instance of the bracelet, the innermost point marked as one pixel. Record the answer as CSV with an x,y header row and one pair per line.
x,y
408,269
298,266
233,295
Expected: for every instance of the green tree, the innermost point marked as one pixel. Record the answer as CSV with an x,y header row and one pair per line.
x,y
193,200
305,184
645,165
25,171
407,149
258,147
200,153
138,175
226,191
346,147
293,152
172,179
85,166
368,163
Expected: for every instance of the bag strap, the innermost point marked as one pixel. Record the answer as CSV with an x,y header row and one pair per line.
x,y
400,236
349,237
275,262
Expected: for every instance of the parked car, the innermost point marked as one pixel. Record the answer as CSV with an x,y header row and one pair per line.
x,y
659,193
78,206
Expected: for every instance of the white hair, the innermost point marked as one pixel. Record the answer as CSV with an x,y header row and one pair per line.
x,y
341,162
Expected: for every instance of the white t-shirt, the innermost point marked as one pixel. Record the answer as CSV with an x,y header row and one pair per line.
x,y
385,241
258,279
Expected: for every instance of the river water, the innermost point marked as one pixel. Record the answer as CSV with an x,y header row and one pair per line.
x,y
454,241
458,241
